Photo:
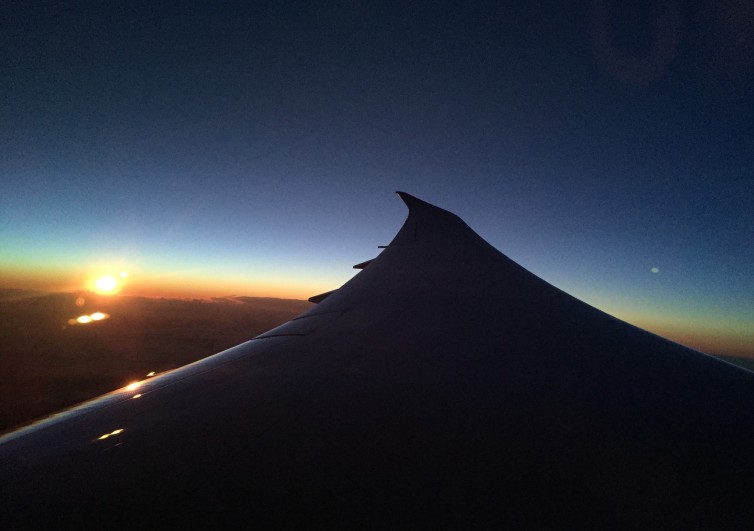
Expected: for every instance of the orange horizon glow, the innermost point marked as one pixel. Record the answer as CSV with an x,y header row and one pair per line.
x,y
178,286
712,340
724,338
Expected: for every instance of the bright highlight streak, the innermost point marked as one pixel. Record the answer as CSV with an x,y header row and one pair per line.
x,y
133,385
105,436
98,316
84,319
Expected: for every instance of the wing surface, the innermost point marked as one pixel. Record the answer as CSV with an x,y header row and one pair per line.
x,y
443,385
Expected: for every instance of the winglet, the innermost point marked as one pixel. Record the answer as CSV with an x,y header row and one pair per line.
x,y
411,201
416,205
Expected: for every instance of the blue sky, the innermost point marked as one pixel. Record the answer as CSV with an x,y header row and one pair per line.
x,y
255,147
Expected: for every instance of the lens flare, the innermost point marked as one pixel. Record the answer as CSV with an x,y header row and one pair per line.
x,y
86,319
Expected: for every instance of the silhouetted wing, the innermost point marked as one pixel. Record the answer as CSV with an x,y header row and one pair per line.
x,y
442,386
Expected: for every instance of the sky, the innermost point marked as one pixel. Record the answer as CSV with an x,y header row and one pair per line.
x,y
253,148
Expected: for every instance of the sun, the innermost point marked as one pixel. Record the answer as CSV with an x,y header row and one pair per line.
x,y
107,281
107,284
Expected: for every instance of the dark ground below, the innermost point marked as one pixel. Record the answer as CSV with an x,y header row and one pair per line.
x,y
48,364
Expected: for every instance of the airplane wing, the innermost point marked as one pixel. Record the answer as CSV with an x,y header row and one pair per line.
x,y
443,386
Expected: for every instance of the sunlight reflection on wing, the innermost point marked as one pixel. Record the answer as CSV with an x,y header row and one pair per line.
x,y
106,435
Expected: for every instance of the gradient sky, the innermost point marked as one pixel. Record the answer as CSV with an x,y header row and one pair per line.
x,y
253,148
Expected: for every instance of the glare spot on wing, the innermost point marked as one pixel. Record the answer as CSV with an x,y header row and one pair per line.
x,y
107,435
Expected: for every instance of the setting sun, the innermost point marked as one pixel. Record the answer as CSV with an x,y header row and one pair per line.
x,y
106,284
